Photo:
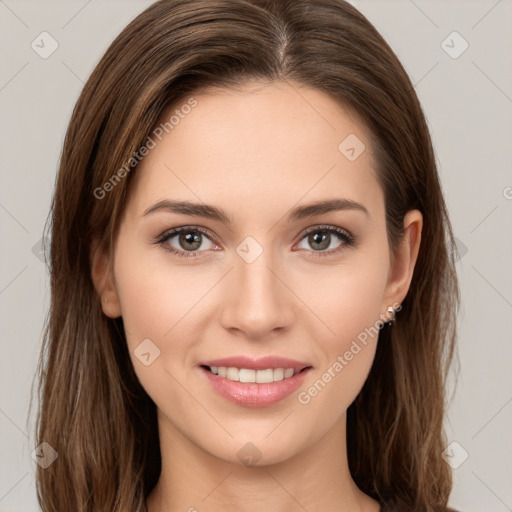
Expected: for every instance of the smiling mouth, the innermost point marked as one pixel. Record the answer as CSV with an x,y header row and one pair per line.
x,y
249,375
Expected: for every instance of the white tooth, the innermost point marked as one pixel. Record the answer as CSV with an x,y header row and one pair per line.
x,y
278,374
288,372
264,376
250,375
247,375
233,373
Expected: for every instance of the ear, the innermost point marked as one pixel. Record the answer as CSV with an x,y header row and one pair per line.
x,y
404,261
103,279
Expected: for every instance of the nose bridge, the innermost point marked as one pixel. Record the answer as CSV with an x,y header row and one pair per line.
x,y
259,302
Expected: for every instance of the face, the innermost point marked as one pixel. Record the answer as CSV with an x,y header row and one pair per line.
x,y
268,277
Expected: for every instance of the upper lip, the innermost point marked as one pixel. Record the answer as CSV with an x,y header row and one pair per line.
x,y
262,363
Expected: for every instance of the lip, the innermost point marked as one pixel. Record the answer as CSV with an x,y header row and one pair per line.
x,y
262,363
252,394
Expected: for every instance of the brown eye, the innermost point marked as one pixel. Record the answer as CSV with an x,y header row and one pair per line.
x,y
319,240
190,241
181,241
327,240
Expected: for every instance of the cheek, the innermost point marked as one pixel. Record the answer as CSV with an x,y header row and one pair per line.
x,y
350,305
155,297
157,304
348,298
163,302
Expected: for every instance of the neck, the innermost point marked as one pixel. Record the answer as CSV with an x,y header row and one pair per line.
x,y
315,479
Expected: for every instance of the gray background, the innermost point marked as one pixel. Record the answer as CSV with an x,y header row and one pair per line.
x,y
468,103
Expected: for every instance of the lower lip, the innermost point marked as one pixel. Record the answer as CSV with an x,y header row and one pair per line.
x,y
251,394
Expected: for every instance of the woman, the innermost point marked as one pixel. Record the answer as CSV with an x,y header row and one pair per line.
x,y
252,272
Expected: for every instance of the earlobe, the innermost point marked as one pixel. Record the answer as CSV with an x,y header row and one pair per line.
x,y
103,279
404,261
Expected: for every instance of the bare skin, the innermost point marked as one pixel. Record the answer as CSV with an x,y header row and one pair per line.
x,y
257,154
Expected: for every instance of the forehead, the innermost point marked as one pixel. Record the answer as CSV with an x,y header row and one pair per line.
x,y
277,145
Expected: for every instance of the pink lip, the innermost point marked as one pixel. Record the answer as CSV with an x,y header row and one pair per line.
x,y
262,363
251,394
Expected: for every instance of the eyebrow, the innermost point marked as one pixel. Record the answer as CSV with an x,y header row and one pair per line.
x,y
215,213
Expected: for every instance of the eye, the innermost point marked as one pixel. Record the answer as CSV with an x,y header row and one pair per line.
x,y
185,241
321,238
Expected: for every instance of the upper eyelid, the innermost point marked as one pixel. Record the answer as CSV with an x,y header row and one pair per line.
x,y
326,227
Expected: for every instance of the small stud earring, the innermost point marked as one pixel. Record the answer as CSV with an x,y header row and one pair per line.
x,y
393,314
106,300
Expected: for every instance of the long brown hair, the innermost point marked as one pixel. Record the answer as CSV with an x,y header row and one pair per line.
x,y
92,409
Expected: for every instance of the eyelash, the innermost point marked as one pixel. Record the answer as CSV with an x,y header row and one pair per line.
x,y
345,237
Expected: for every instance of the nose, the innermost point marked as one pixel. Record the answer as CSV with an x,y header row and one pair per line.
x,y
258,304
